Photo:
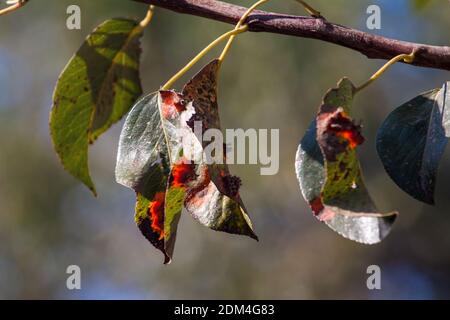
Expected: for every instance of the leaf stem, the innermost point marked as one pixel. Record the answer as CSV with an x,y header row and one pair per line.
x,y
238,25
180,73
408,58
311,11
16,5
148,17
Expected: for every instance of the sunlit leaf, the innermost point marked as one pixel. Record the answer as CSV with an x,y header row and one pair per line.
x,y
97,87
214,201
149,148
143,165
153,161
329,172
412,140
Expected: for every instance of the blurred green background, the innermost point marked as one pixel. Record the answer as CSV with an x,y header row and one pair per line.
x,y
49,221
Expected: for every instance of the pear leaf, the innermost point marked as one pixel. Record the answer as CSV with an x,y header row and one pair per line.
x,y
161,157
412,140
329,172
99,85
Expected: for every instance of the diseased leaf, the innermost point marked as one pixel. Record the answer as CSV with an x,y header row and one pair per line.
x,y
153,161
143,165
214,200
98,86
412,140
329,172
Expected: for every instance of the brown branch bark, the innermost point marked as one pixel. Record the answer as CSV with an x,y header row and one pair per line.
x,y
373,46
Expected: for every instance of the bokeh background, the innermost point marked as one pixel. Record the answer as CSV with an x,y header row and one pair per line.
x,y
49,221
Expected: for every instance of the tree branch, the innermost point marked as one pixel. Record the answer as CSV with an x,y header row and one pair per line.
x,y
373,46
15,4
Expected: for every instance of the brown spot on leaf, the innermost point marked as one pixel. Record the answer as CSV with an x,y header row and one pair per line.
x,y
171,102
344,127
337,132
232,184
198,186
316,206
182,173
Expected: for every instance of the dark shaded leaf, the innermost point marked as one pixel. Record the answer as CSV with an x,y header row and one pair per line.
x,y
97,87
412,140
152,161
329,172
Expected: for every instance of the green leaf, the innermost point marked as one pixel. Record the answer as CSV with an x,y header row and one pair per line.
x,y
97,88
420,4
329,172
412,140
153,161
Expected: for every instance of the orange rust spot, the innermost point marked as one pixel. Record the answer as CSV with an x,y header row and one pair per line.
x,y
353,137
182,173
167,96
156,213
344,127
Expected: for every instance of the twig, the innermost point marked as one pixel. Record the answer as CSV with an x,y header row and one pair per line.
x,y
15,4
373,46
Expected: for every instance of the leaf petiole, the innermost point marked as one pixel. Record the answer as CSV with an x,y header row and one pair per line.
x,y
202,53
238,25
408,58
148,17
311,11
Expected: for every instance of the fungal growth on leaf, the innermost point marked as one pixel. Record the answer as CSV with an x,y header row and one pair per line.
x,y
329,172
153,161
156,214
